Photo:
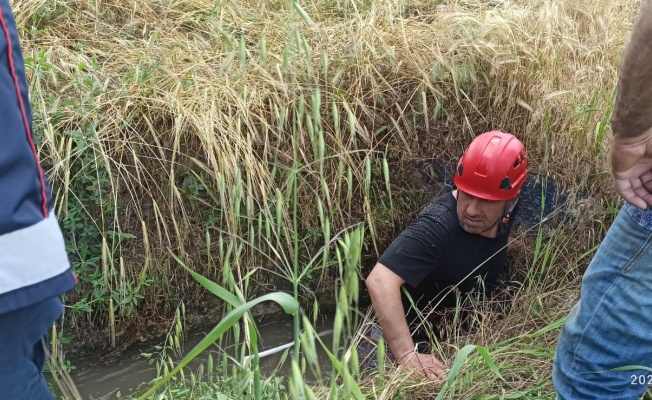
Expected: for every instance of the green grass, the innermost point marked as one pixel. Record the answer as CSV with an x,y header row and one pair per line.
x,y
253,139
506,354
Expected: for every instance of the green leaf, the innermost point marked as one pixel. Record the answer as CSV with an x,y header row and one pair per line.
x,y
625,368
457,364
211,286
303,13
461,356
287,302
487,358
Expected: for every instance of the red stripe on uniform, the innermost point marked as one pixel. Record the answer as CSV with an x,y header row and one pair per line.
x,y
28,131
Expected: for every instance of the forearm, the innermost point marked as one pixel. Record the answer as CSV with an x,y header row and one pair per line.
x,y
391,318
385,291
633,109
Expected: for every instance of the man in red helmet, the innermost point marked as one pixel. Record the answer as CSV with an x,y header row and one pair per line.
x,y
457,240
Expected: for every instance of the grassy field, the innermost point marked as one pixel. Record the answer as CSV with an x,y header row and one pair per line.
x,y
250,138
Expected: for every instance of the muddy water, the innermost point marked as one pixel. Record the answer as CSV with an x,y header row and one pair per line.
x,y
97,381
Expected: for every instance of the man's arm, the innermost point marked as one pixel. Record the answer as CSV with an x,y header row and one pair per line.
x,y
385,290
631,123
632,114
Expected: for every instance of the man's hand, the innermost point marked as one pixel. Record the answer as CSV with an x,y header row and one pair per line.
x,y
631,164
428,364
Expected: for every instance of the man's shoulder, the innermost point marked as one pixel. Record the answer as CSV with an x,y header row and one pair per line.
x,y
436,223
441,209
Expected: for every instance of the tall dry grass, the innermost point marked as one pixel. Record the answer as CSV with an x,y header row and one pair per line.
x,y
185,118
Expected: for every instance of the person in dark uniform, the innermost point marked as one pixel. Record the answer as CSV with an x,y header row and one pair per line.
x,y
458,240
34,267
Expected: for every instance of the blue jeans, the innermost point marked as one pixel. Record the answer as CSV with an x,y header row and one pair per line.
x,y
22,356
611,325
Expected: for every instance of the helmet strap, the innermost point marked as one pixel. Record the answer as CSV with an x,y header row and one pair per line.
x,y
508,211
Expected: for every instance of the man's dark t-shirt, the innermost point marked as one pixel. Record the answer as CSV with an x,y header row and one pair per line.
x,y
434,253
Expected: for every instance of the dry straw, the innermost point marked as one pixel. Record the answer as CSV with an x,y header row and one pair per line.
x,y
201,113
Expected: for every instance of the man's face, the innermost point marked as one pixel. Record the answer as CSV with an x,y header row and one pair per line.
x,y
479,216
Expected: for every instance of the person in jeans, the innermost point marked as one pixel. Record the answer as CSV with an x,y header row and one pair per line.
x,y
456,245
34,267
611,325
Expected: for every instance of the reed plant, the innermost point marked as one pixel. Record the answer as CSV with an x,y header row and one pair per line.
x,y
270,130
159,120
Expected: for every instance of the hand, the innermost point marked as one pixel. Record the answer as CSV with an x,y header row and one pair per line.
x,y
428,364
631,164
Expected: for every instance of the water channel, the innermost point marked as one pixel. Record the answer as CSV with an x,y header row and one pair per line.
x,y
99,381
102,381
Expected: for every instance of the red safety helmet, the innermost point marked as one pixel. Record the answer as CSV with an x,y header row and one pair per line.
x,y
493,167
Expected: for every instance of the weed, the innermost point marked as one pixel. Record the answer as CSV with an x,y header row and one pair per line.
x,y
276,127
